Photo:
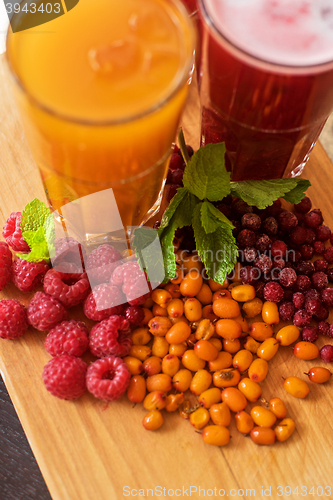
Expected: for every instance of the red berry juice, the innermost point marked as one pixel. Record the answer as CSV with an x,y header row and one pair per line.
x,y
266,81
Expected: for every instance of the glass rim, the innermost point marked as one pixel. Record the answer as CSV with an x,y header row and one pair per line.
x,y
183,74
274,66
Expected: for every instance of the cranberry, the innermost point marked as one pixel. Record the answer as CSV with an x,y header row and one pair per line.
x,y
227,200
305,267
249,275
175,176
273,292
270,226
323,233
310,334
287,277
259,288
286,311
246,238
323,314
249,254
324,328
251,221
176,162
330,330
300,217
172,191
312,305
328,254
237,227
319,280
321,265
307,252
319,246
313,219
303,206
326,353
288,294
293,256
264,263
224,209
278,248
240,208
278,263
310,236
327,297
298,235
287,220
330,275
302,318
274,209
190,150
263,243
298,300
303,283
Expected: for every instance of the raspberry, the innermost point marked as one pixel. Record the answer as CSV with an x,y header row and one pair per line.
x,y
13,319
287,220
323,233
249,275
305,267
287,277
103,301
321,265
264,263
319,280
326,353
310,334
313,219
328,255
108,378
302,318
111,336
246,238
27,276
135,315
298,235
65,377
5,264
286,311
263,243
303,206
45,312
62,287
270,226
278,249
13,234
303,283
101,263
273,292
319,247
327,297
324,328
251,221
133,281
307,252
69,337
298,300
69,250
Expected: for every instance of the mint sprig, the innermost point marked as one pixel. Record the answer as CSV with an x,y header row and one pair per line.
x,y
34,223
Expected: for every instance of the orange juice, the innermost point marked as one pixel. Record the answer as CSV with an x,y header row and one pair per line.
x,y
101,90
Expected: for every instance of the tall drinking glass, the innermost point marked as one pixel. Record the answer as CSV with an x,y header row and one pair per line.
x,y
266,82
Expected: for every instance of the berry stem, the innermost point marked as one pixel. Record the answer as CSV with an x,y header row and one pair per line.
x,y
182,146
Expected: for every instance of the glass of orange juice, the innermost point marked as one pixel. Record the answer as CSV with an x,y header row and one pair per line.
x,y
101,90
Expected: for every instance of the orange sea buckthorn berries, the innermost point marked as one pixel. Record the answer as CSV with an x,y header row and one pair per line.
x,y
173,402
182,380
214,285
205,329
159,311
253,307
277,406
178,277
141,352
140,336
136,390
306,350
260,331
242,360
160,347
262,416
228,329
250,389
185,410
223,360
231,345
181,319
148,303
221,294
244,422
190,262
229,377
220,414
191,284
155,400
159,326
205,295
243,323
235,274
268,349
258,370
152,365
153,420
216,435
160,382
161,297
210,397
170,364
243,293
263,435
193,309
234,399
226,308
270,313
178,333
204,349
207,313
134,365
319,374
148,315
178,349
200,382
217,343
192,362
173,289
287,335
251,345
175,308
284,429
296,387
199,418
191,340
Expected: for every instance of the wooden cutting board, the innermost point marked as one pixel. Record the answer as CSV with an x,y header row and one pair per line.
x,y
91,450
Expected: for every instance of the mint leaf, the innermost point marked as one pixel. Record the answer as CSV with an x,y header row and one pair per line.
x,y
38,245
205,175
149,253
28,237
49,228
172,207
34,215
297,194
262,193
212,218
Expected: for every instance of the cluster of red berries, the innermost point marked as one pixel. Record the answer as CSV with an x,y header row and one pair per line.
x,y
176,170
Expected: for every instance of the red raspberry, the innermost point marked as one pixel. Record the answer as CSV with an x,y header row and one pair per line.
x,y
27,276
326,353
101,263
134,282
111,336
45,312
135,315
13,319
61,286
310,334
69,337
69,250
5,264
13,235
108,378
103,301
273,292
65,377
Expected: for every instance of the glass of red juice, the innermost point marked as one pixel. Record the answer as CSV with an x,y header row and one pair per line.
x,y
266,82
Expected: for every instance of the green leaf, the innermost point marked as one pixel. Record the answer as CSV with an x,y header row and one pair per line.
x,y
34,215
149,253
49,228
28,237
262,193
212,218
172,207
38,246
205,175
297,194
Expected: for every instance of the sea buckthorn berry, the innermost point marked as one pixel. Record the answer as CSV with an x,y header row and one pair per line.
x,y
191,284
179,276
277,406
251,345
204,349
210,397
178,349
217,343
199,418
181,319
191,340
261,331
159,326
136,390
253,307
170,364
231,345
234,399
268,349
173,402
270,313
263,435
214,285
228,329
161,297
200,382
220,414
185,410
141,352
190,262
153,420
207,313
296,387
159,311
306,350
223,360
155,400
216,435
243,293
134,365
242,360
178,333
284,429
159,382
204,330
262,416
250,389
319,374
229,377
193,309
258,370
148,315
226,308
243,323
287,335
174,290
175,308
244,422
192,362
140,336
205,296
234,276
148,303
182,380
152,365
221,294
